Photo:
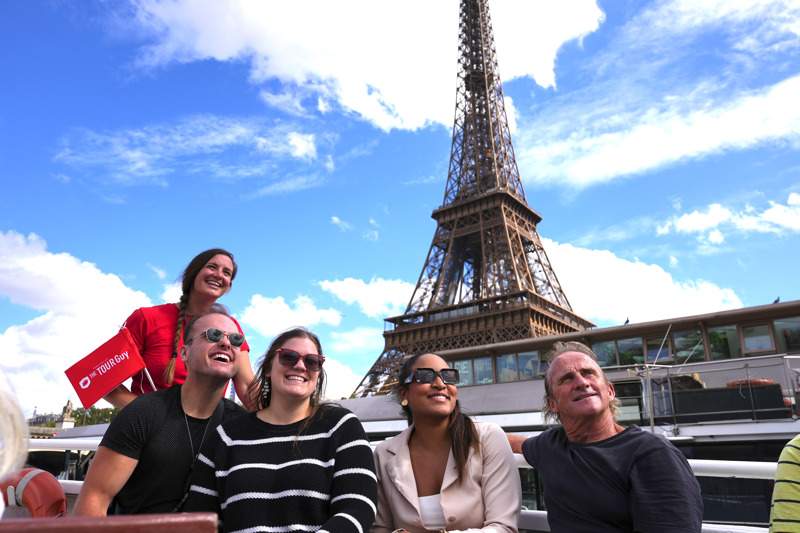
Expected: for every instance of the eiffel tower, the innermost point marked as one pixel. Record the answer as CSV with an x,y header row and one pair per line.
x,y
487,278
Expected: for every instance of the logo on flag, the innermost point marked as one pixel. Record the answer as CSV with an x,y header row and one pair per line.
x,y
105,368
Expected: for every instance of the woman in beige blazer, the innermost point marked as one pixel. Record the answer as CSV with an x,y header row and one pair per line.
x,y
445,472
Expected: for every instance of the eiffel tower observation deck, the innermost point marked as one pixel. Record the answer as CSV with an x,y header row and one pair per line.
x,y
487,278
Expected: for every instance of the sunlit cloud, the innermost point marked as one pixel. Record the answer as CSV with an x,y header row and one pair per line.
x,y
271,315
376,298
312,57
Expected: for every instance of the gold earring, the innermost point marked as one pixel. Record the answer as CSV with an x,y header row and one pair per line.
x,y
404,403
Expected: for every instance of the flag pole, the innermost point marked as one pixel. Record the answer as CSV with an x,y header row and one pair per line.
x,y
147,373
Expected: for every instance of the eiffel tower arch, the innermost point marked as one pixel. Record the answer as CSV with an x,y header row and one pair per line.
x,y
487,278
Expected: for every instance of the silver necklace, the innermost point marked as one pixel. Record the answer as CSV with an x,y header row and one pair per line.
x,y
189,434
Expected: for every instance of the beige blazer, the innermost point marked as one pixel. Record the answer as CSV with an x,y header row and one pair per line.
x,y
487,499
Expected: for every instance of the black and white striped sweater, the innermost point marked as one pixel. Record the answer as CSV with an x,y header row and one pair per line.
x,y
260,477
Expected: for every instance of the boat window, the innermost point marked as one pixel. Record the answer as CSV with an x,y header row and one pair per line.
x,y
688,346
606,353
723,341
464,367
787,333
655,350
630,351
757,339
507,368
483,370
529,365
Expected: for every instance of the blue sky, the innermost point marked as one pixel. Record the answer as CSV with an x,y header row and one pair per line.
x,y
659,140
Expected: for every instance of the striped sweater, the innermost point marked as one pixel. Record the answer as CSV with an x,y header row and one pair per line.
x,y
261,477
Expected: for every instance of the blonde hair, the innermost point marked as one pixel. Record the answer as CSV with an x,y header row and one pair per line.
x,y
13,432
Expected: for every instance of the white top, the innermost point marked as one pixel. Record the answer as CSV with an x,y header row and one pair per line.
x,y
430,511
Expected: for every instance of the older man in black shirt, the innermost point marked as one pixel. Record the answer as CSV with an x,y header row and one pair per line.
x,y
599,476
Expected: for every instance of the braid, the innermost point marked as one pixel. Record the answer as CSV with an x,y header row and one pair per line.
x,y
169,372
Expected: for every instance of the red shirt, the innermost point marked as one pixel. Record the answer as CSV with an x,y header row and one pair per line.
x,y
153,331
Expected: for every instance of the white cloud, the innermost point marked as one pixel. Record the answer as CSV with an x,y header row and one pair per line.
x,y
706,223
341,380
172,292
657,93
716,237
784,216
372,234
698,221
600,148
511,115
341,224
269,316
289,185
763,25
614,288
357,340
314,55
159,272
194,144
288,102
81,307
302,145
377,298
673,261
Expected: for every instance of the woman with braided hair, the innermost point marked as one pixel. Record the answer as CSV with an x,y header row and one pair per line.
x,y
158,330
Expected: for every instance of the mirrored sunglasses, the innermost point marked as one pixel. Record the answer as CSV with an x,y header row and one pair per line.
x,y
215,335
449,376
312,362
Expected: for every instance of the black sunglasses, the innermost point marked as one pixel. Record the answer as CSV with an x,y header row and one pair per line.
x,y
312,362
215,335
449,376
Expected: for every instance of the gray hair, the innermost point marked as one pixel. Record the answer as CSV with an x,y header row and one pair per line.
x,y
558,349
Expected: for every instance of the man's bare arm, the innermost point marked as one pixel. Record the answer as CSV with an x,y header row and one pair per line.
x,y
107,475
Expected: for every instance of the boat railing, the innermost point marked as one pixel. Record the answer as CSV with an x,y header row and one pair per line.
x,y
530,519
757,388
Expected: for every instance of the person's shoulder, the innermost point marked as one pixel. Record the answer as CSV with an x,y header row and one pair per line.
x,y
334,411
160,310
488,430
641,444
332,414
392,444
239,425
635,434
231,409
336,420
155,313
554,434
146,411
160,399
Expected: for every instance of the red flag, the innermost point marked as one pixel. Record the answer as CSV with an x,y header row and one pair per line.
x,y
104,369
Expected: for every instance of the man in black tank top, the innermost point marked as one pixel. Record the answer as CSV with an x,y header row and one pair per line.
x,y
598,476
146,455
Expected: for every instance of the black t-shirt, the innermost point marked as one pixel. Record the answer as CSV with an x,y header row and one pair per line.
x,y
152,430
632,482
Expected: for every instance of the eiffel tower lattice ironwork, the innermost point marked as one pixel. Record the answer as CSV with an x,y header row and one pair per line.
x,y
487,278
